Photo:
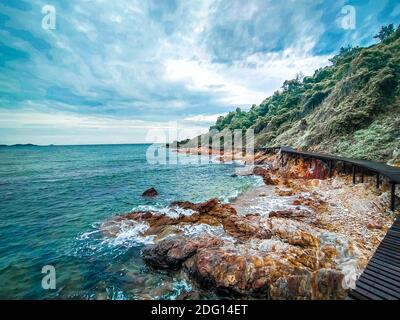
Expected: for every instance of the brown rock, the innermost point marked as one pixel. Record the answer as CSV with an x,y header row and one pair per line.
x,y
171,253
150,193
265,174
374,225
284,193
290,213
322,284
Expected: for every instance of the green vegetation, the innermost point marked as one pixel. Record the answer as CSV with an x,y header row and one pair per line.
x,y
351,107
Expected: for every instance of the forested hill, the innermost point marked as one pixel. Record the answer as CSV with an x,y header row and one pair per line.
x,y
350,108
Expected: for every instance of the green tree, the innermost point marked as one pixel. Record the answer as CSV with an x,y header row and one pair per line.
x,y
385,32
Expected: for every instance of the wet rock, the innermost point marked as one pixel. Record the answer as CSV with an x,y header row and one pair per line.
x,y
171,253
265,174
150,193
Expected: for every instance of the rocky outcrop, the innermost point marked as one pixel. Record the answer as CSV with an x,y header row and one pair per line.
x,y
262,269
266,175
171,253
292,252
211,212
150,193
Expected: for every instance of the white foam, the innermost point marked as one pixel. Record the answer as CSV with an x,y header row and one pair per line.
x,y
173,213
132,233
194,230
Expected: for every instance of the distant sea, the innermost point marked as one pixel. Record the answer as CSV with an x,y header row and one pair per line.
x,y
53,200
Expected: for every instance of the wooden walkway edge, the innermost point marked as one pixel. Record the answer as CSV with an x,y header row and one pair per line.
x,y
381,278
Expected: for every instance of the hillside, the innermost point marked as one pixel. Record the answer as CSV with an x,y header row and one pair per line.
x,y
350,108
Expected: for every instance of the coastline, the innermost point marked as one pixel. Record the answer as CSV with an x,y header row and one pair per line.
x,y
298,236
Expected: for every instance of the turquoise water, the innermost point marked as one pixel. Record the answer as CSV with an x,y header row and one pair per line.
x,y
53,200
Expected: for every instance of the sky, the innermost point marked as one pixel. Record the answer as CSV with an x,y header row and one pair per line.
x,y
127,71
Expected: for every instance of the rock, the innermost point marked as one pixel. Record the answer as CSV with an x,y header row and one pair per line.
x,y
313,201
322,284
290,213
171,253
279,274
229,272
284,192
265,174
293,232
150,193
374,225
211,212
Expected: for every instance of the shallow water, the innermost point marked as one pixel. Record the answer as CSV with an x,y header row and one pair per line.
x,y
53,200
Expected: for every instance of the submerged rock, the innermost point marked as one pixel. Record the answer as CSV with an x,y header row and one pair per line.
x,y
150,193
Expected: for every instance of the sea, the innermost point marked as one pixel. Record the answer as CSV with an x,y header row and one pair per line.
x,y
53,200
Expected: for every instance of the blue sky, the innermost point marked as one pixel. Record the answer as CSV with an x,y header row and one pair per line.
x,y
112,71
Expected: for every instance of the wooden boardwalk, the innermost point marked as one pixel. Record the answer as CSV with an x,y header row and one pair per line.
x,y
381,278
362,166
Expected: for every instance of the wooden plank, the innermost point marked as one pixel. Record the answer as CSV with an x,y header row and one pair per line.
x,y
381,273
357,296
384,263
388,257
387,241
393,292
393,231
367,293
387,260
393,239
381,266
379,280
377,292
388,244
380,277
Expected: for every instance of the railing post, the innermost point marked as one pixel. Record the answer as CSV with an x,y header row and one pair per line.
x,y
378,182
362,176
330,168
354,174
393,197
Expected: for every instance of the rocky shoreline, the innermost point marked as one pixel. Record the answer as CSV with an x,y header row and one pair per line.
x,y
299,236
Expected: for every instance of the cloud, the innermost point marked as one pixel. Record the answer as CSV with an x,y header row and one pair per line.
x,y
161,61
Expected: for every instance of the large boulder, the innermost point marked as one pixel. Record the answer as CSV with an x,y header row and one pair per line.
x,y
171,253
